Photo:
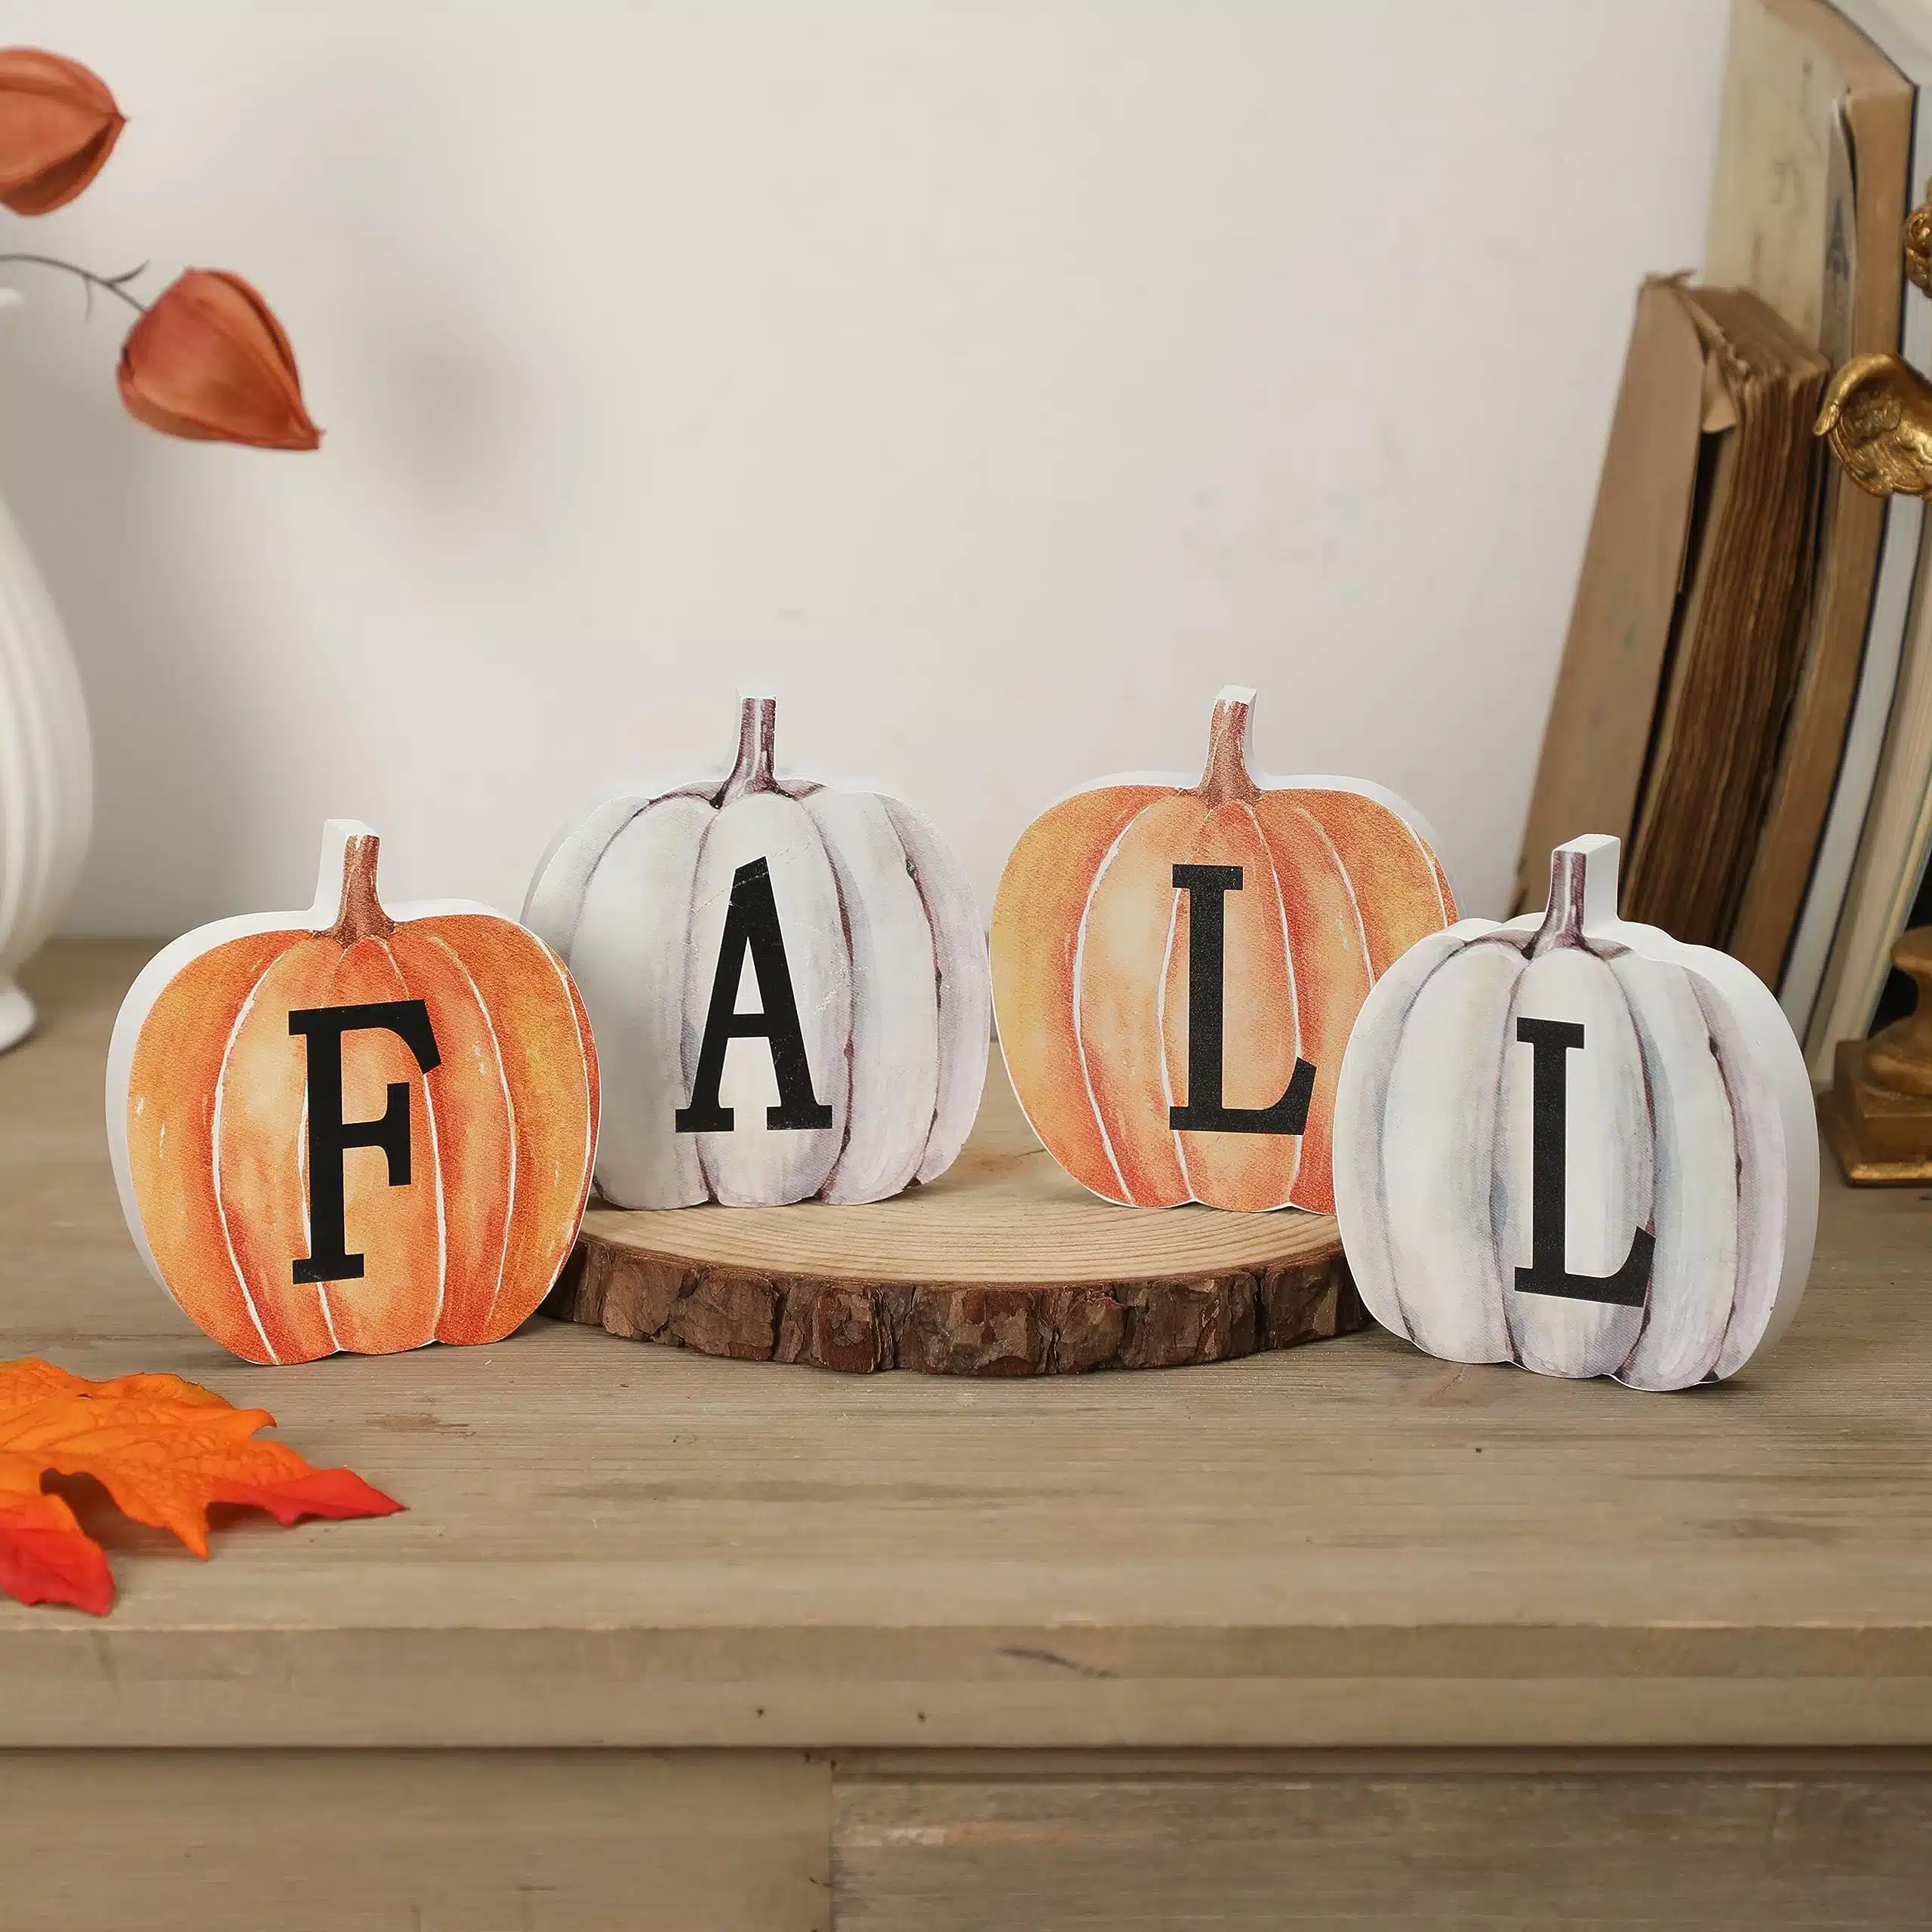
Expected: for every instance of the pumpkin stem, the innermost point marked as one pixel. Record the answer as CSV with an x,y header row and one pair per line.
x,y
361,916
757,728
1582,891
1226,780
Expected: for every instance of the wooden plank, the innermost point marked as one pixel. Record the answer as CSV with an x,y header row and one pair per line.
x,y
396,1842
1408,1847
1350,1545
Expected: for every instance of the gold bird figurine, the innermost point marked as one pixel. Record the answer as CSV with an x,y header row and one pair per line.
x,y
1918,248
1877,416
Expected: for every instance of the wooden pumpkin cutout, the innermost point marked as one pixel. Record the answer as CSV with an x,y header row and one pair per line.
x,y
1176,967
1574,1144
788,980
353,1128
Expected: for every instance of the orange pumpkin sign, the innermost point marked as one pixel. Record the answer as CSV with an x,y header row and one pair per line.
x,y
352,1129
1176,968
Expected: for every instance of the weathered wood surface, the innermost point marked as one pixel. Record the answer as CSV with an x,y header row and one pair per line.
x,y
1345,1546
940,1841
392,1841
1400,1846
1005,1265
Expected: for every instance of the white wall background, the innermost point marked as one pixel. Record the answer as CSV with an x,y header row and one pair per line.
x,y
996,378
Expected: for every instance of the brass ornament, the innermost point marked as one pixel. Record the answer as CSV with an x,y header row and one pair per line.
x,y
1878,418
1918,245
1877,412
1877,1113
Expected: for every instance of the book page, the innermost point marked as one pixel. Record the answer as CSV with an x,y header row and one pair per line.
x,y
1771,203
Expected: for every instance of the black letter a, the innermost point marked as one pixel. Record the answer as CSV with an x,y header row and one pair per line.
x,y
330,1136
751,925
1206,1111
1550,1041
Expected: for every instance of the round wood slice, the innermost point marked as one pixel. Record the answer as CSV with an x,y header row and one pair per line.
x,y
1004,1266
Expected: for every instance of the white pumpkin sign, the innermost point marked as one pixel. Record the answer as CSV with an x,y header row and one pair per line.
x,y
788,983
1574,1143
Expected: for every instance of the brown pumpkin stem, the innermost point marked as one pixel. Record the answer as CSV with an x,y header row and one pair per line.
x,y
361,916
1226,781
758,730
1563,922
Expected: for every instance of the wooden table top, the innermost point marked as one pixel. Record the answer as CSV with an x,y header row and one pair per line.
x,y
1345,1544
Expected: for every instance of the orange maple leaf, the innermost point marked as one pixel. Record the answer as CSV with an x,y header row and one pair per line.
x,y
163,1448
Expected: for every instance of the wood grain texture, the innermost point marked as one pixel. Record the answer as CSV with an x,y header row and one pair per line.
x,y
768,1841
1349,1545
1004,1266
1400,1847
1882,1137
396,1842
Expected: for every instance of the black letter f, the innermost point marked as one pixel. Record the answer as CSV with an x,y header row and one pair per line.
x,y
330,1136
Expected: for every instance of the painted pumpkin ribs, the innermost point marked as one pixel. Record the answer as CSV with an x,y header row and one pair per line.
x,y
440,1202
1108,998
1576,1145
849,1064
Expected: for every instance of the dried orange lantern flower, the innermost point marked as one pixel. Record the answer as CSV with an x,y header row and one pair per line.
x,y
208,360
58,124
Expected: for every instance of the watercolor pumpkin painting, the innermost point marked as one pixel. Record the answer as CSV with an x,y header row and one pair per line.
x,y
354,1128
1176,967
1574,1144
787,979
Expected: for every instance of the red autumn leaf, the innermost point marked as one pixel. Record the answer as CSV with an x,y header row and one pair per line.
x,y
164,1449
208,361
58,124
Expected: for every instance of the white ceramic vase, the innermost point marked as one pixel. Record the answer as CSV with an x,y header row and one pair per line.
x,y
46,768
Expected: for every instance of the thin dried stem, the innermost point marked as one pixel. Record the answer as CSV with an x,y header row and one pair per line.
x,y
115,285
